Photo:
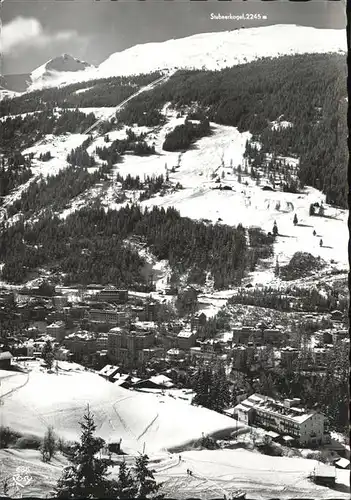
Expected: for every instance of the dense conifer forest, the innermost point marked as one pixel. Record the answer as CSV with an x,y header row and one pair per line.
x,y
94,93
56,191
14,171
182,136
19,132
100,254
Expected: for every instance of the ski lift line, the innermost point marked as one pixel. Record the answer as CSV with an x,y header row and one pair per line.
x,y
144,89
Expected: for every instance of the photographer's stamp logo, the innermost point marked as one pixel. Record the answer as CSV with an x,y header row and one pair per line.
x,y
14,485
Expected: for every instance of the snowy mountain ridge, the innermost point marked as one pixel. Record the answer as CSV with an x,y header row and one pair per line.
x,y
58,65
211,51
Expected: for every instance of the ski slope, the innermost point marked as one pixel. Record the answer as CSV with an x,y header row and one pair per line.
x,y
161,422
212,158
244,203
219,472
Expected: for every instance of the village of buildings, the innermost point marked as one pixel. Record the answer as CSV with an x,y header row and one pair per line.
x,y
118,334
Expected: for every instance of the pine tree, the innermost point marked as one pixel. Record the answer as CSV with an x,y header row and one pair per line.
x,y
295,220
48,354
87,476
145,482
49,446
275,229
126,485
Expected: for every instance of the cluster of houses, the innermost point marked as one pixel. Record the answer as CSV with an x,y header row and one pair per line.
x,y
108,324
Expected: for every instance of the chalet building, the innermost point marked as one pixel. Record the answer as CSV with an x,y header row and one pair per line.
x,y
7,297
287,356
60,301
169,342
62,354
111,294
198,321
321,355
175,354
83,345
324,475
125,380
272,336
198,354
336,315
246,334
186,339
138,312
155,382
287,418
150,311
110,316
109,371
57,330
39,313
242,356
5,360
31,333
146,355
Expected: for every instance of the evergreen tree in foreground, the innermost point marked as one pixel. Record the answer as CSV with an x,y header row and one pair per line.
x,y
87,476
145,482
126,485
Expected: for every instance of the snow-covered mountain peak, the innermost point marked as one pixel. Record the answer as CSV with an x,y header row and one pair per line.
x,y
212,51
58,67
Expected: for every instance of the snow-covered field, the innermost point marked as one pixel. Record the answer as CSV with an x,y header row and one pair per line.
x,y
219,472
60,400
214,474
59,147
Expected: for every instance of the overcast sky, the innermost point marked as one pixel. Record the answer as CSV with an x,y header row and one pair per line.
x,y
34,31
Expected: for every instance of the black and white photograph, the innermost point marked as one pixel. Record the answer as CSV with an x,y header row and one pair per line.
x,y
174,301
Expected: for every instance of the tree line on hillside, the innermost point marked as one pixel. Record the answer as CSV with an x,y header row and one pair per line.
x,y
100,255
291,299
55,192
182,136
13,175
20,132
133,142
149,186
94,93
278,171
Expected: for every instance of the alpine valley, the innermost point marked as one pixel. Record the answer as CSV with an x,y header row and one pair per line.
x,y
206,176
